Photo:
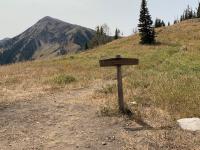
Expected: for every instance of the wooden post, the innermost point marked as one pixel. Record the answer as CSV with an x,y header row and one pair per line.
x,y
118,62
120,87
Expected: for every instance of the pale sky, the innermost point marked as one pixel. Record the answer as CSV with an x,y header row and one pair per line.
x,y
17,15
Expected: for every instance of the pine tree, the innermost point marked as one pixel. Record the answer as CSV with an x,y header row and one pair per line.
x,y
117,32
147,32
163,23
86,46
98,30
157,23
102,31
101,37
182,18
198,11
176,21
189,13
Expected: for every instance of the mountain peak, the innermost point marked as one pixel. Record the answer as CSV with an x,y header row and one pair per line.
x,y
49,37
49,19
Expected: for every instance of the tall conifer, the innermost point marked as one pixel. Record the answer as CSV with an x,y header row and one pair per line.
x,y
86,46
198,11
147,32
117,32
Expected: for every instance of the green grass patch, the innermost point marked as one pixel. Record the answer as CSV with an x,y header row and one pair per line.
x,y
63,79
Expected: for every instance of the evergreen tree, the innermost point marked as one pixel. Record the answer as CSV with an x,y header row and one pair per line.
x,y
189,13
198,11
182,18
86,46
117,32
100,38
98,30
163,23
101,31
146,30
157,23
176,21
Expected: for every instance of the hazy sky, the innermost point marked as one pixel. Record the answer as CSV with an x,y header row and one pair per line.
x,y
18,15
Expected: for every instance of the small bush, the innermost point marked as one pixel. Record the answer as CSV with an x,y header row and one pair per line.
x,y
71,57
108,111
63,79
108,89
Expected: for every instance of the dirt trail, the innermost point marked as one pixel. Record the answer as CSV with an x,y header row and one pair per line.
x,y
68,120
57,121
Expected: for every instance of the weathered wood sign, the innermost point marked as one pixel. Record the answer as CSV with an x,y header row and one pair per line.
x,y
118,62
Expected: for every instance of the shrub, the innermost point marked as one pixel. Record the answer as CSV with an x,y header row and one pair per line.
x,y
108,89
63,79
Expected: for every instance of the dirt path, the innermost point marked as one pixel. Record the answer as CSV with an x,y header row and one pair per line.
x,y
57,121
68,120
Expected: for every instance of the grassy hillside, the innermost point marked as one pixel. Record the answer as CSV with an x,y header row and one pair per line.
x,y
168,76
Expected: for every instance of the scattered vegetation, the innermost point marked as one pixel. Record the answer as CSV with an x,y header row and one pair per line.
x,y
167,77
63,79
108,89
102,36
189,13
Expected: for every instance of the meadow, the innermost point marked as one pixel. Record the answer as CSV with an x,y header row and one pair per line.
x,y
167,78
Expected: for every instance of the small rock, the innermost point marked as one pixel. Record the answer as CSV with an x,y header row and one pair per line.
x,y
87,146
133,103
104,143
191,124
110,138
113,137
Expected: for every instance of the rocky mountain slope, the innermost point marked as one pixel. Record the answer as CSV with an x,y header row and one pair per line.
x,y
3,42
49,37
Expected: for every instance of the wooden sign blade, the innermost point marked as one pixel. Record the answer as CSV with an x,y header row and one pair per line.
x,y
118,61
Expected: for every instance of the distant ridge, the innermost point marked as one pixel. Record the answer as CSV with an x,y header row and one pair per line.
x,y
49,37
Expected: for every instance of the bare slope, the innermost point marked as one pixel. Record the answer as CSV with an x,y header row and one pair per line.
x,y
49,37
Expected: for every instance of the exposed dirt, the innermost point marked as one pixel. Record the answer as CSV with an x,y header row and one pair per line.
x,y
68,120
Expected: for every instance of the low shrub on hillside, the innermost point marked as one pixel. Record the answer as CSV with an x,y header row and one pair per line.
x,y
108,89
63,79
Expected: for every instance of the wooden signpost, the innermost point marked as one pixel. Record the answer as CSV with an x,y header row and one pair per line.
x,y
118,62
